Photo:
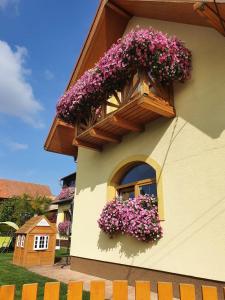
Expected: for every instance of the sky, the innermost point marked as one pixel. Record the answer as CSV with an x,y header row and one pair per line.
x,y
40,42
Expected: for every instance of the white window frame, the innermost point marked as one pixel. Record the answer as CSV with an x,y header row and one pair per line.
x,y
18,241
22,241
41,242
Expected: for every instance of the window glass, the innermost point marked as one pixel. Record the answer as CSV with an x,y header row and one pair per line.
x,y
18,241
138,172
22,241
41,242
127,193
148,189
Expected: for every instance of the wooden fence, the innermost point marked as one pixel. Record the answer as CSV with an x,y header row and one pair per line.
x,y
97,291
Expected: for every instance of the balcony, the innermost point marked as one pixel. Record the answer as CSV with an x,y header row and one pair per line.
x,y
141,101
66,195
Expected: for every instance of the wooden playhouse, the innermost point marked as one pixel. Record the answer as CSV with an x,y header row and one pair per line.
x,y
35,243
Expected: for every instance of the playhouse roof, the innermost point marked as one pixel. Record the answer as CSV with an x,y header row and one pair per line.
x,y
103,34
10,188
37,221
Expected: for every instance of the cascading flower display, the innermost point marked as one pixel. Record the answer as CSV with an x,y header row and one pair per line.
x,y
64,228
166,60
66,193
111,218
137,217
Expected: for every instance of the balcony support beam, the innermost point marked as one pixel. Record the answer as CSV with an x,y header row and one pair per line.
x,y
79,143
212,16
125,124
157,106
105,136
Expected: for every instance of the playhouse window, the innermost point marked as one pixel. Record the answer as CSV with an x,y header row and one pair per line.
x,y
22,241
139,179
41,242
18,241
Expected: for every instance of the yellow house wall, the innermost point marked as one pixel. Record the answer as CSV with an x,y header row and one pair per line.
x,y
191,152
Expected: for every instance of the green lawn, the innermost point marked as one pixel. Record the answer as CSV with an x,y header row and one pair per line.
x,y
11,274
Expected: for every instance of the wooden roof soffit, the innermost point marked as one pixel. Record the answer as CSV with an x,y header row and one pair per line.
x,y
60,138
101,33
212,15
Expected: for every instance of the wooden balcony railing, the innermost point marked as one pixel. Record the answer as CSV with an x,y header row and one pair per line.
x,y
141,101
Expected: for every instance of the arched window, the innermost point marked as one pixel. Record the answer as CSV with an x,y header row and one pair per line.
x,y
139,179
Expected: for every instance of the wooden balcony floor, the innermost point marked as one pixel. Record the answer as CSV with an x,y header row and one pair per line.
x,y
131,117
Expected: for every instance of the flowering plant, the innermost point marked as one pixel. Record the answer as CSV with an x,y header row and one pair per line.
x,y
64,228
66,193
164,58
137,217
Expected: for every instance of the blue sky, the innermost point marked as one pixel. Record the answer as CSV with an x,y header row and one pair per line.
x,y
39,44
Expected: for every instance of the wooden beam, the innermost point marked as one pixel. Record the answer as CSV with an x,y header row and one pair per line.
x,y
80,143
125,124
144,88
119,10
210,15
157,106
105,136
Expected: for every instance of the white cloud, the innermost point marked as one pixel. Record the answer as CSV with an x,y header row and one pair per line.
x,y
5,3
48,74
16,94
14,146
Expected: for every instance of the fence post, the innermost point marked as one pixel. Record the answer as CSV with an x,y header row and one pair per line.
x,y
7,292
165,291
187,291
97,290
120,290
142,290
51,291
29,291
209,293
75,290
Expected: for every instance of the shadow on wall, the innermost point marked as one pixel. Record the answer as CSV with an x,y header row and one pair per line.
x,y
128,246
98,160
200,102
204,109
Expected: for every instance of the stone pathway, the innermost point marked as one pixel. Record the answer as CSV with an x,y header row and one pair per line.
x,y
65,275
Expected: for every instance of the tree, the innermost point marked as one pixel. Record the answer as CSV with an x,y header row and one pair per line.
x,y
19,209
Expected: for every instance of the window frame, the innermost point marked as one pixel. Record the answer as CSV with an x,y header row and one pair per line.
x,y
39,242
136,185
122,167
18,245
22,241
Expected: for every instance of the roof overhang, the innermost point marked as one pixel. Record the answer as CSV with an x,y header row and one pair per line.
x,y
60,138
109,24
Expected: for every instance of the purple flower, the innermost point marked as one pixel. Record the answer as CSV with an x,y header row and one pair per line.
x,y
64,228
137,217
66,193
164,58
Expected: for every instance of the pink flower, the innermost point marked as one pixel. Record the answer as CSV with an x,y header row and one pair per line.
x,y
137,217
66,193
164,58
64,228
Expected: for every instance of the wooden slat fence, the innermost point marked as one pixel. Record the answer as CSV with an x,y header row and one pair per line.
x,y
120,291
